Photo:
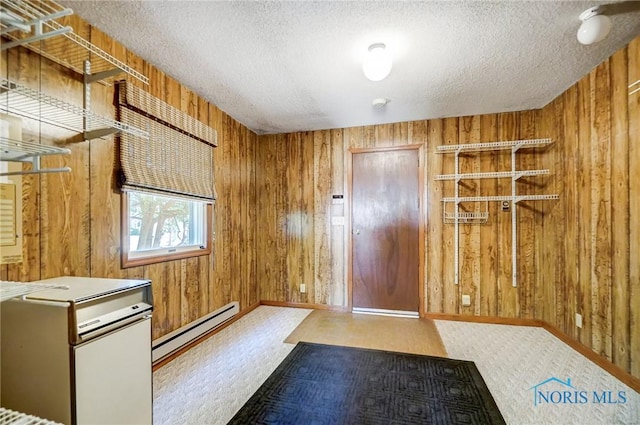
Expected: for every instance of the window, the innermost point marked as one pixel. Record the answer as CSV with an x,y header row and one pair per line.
x,y
167,180
159,228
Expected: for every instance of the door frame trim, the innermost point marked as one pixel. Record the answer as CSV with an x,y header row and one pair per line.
x,y
421,222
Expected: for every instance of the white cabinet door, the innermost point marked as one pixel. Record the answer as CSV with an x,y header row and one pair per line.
x,y
113,379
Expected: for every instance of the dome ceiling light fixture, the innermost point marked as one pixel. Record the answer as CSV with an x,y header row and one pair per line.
x,y
595,26
377,64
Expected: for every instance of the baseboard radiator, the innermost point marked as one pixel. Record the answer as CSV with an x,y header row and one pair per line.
x,y
173,341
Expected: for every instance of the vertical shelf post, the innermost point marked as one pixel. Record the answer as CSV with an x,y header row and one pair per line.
x,y
456,214
514,229
86,124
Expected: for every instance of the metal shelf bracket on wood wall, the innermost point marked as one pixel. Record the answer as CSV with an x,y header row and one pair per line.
x,y
458,217
113,127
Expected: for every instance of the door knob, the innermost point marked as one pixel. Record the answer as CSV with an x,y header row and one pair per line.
x,y
356,232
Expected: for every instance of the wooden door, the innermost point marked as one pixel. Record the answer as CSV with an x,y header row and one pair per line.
x,y
385,229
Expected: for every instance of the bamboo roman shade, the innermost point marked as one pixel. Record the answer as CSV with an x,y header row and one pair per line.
x,y
176,159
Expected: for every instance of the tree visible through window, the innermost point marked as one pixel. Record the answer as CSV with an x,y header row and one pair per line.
x,y
162,227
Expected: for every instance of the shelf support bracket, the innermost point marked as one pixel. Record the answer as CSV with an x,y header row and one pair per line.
x,y
98,133
86,122
99,76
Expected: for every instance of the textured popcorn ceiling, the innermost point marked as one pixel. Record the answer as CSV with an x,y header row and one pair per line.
x,y
292,66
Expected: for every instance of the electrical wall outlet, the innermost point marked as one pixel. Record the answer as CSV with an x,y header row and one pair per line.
x,y
303,288
466,300
579,320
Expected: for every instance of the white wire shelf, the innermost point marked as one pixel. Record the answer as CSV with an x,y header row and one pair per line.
x,y
466,217
492,146
10,290
23,151
492,175
17,150
461,217
636,89
23,101
515,199
10,417
33,24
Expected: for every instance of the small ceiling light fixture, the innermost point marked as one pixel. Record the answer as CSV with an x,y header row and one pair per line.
x,y
377,64
595,26
380,102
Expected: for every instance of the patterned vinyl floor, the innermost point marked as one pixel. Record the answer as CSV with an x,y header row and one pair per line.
x,y
210,382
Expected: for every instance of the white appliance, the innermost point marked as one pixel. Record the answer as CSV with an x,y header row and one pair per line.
x,y
81,353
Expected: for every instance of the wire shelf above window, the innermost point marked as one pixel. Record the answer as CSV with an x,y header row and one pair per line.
x,y
23,101
33,24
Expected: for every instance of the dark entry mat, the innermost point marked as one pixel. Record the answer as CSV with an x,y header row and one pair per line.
x,y
324,384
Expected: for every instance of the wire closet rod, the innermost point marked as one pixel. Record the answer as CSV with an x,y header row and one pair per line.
x,y
23,151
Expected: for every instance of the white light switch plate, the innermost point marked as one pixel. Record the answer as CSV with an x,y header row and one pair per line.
x,y
303,288
579,320
466,300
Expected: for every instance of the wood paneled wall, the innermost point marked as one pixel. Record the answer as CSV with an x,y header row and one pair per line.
x,y
590,240
72,220
299,173
578,254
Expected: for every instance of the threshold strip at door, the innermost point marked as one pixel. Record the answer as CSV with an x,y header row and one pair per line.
x,y
382,312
